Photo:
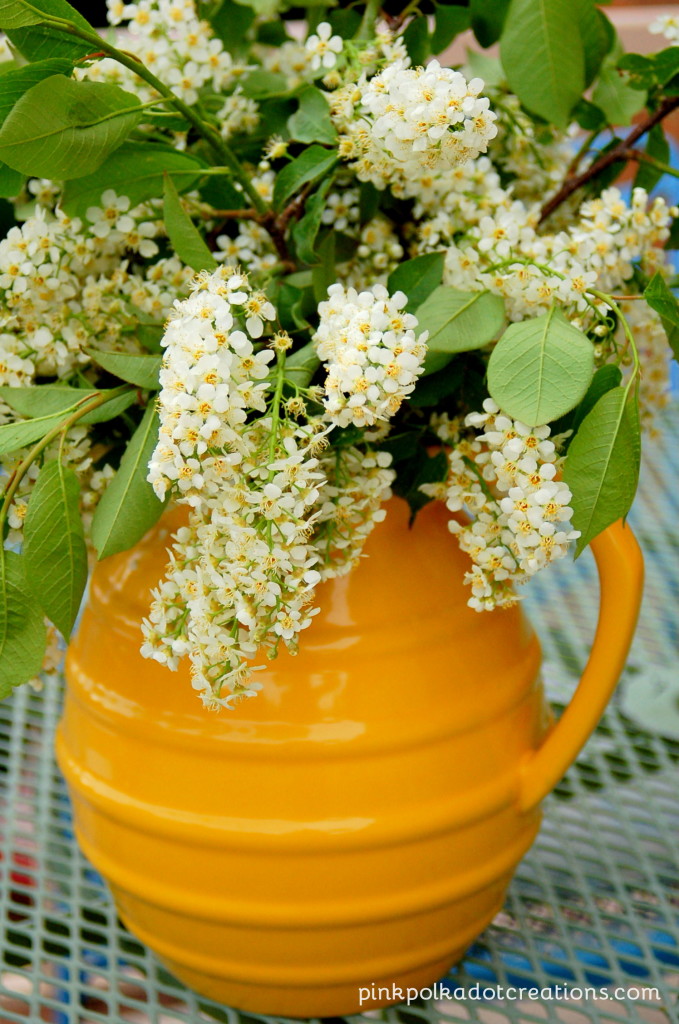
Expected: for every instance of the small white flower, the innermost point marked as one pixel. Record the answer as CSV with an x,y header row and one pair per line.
x,y
324,47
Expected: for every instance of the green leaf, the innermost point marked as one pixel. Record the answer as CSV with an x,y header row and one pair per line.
x,y
140,370
615,97
220,192
458,321
660,298
13,85
657,147
602,466
488,19
417,42
48,403
21,13
597,35
417,278
37,41
540,368
261,85
129,507
449,22
186,241
302,365
480,65
605,379
64,129
230,22
323,275
16,83
543,57
22,628
135,170
310,165
11,182
312,122
54,545
306,230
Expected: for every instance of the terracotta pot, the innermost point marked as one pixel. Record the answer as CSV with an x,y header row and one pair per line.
x,y
357,823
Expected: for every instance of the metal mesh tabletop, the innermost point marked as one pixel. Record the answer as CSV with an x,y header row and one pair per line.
x,y
594,904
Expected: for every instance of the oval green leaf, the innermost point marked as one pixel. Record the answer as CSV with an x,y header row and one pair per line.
x,y
460,321
541,368
22,626
602,465
64,129
54,545
129,506
543,56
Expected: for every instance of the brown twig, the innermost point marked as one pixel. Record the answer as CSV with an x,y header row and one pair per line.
x,y
621,152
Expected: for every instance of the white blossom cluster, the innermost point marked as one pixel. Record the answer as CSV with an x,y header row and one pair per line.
x,y
349,505
174,42
269,517
303,61
654,354
505,478
211,378
504,252
372,355
405,121
65,287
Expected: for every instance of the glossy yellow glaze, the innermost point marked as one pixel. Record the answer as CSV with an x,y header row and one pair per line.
x,y
356,823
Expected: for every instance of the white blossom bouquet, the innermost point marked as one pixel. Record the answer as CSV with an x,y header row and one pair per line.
x,y
275,272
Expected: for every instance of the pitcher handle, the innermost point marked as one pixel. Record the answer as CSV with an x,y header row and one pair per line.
x,y
621,572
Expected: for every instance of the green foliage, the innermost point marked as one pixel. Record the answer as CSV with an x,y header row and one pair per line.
x,y
488,19
660,298
615,97
66,129
36,40
458,322
306,230
186,240
302,365
311,122
13,85
605,379
449,21
231,22
602,466
22,628
540,368
653,71
543,57
261,85
657,147
140,370
129,507
135,170
598,37
52,403
417,41
417,278
54,545
309,166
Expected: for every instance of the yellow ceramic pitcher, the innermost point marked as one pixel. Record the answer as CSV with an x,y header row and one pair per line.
x,y
355,824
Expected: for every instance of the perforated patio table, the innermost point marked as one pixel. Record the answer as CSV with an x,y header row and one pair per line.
x,y
594,905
